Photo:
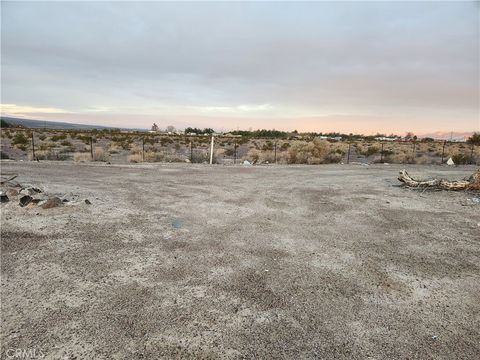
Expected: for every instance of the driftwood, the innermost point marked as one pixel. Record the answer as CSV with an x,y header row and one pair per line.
x,y
472,183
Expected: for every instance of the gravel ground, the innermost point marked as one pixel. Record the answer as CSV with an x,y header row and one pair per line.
x,y
194,261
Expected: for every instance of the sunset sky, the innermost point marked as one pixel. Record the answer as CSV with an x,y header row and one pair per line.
x,y
362,67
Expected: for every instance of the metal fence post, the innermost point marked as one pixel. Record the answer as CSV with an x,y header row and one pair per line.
x,y
471,154
191,151
443,150
33,147
234,152
143,149
381,154
91,146
211,152
348,153
276,151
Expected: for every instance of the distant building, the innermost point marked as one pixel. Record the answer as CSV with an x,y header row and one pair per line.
x,y
386,138
155,128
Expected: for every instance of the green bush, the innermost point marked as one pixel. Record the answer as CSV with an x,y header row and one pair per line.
x,y
461,159
20,140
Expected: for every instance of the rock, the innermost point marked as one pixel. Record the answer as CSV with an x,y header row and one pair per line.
x,y
52,202
88,202
4,198
187,161
26,192
30,191
450,162
25,200
246,163
12,192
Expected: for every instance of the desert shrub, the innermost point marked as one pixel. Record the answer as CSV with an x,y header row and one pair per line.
x,y
314,152
229,152
100,155
81,156
334,157
399,158
134,158
153,156
370,150
42,137
66,143
58,137
114,149
136,149
150,140
20,140
424,159
4,155
284,146
461,159
85,139
48,155
267,146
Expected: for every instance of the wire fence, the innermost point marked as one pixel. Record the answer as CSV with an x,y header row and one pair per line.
x,y
25,144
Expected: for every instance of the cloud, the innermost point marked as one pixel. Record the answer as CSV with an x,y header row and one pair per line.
x,y
16,110
411,60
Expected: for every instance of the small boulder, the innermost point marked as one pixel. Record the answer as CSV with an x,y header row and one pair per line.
x,y
25,200
4,198
12,192
52,202
246,163
88,202
450,162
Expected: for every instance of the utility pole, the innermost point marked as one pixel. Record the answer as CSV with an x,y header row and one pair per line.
x,y
211,152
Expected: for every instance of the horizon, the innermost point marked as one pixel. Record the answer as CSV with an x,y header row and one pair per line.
x,y
315,67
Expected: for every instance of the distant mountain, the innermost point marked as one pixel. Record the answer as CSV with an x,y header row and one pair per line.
x,y
42,124
442,135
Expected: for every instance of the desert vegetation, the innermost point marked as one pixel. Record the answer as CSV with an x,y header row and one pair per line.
x,y
258,147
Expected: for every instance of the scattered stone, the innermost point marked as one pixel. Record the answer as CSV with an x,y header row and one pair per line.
x,y
246,163
88,202
25,200
4,198
31,205
12,192
52,202
450,162
187,161
26,191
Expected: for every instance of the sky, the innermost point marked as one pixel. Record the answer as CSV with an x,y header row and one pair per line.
x,y
360,67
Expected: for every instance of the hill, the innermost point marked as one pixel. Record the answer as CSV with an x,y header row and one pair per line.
x,y
43,124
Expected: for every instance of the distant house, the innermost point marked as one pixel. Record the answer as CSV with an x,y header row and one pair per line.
x,y
386,138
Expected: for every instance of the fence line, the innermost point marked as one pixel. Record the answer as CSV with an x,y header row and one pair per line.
x,y
121,147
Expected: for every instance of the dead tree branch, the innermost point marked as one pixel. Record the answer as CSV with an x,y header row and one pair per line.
x,y
472,183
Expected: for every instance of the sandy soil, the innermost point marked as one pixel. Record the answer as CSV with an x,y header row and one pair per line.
x,y
192,261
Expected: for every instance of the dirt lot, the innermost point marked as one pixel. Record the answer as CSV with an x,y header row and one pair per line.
x,y
181,260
